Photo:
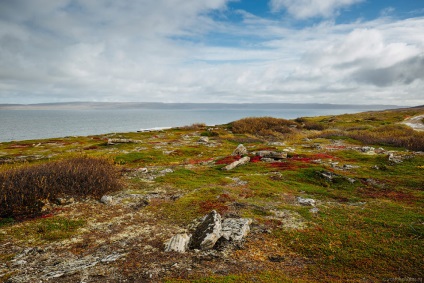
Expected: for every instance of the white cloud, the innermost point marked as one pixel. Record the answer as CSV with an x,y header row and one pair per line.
x,y
158,51
303,9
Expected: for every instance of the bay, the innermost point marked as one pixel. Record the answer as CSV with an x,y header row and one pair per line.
x,y
18,125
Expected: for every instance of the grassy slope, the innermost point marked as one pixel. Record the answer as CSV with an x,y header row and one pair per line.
x,y
371,229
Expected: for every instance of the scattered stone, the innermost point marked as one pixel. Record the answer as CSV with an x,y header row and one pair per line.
x,y
306,201
203,140
235,229
272,154
178,243
165,171
114,141
142,170
240,150
106,199
207,233
329,175
351,180
239,162
376,167
314,210
393,158
349,167
289,149
265,159
276,143
64,201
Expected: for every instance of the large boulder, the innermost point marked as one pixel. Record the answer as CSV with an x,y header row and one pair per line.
x,y
207,232
240,150
235,229
178,243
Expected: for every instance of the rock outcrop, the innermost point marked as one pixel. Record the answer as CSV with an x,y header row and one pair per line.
x,y
208,232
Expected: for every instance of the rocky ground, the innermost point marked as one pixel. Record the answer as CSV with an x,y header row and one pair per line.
x,y
294,208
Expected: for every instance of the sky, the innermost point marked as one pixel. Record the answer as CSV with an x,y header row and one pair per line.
x,y
204,51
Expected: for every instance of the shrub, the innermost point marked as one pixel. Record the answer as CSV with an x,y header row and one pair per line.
x,y
23,191
262,126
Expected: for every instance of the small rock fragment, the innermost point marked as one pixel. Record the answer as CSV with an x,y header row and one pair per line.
x,y
178,243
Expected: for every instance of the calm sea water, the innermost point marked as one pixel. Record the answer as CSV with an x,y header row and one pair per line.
x,y
38,124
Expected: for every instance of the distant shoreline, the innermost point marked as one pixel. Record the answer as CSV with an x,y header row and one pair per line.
x,y
188,106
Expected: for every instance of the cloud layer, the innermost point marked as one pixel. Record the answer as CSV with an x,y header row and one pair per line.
x,y
186,51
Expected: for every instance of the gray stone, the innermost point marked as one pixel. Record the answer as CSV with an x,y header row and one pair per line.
x,y
272,154
178,243
235,229
106,199
306,201
203,140
64,201
114,141
241,161
207,232
240,150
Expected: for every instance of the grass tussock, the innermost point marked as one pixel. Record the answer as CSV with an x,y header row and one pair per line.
x,y
389,135
263,126
23,191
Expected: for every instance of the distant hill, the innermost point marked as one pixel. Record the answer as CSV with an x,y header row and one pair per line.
x,y
159,105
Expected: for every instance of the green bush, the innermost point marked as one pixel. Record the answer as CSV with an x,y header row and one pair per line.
x,y
23,191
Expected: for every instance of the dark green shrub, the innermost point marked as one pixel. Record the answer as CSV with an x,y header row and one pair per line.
x,y
23,191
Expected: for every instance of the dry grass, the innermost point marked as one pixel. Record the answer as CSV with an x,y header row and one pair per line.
x,y
263,126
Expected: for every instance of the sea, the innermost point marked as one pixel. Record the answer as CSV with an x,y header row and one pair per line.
x,y
17,125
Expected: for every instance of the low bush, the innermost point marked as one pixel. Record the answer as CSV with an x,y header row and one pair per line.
x,y
262,126
23,191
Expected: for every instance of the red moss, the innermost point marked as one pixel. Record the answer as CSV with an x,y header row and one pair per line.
x,y
286,165
228,160
208,205
255,159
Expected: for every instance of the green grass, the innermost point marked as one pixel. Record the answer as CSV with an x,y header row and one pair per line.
x,y
47,229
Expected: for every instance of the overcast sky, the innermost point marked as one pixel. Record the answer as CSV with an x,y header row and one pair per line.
x,y
315,51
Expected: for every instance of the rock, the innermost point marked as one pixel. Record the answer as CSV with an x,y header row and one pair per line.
x,y
165,171
276,143
203,140
235,229
314,210
64,201
142,170
329,175
114,141
207,232
239,162
267,159
240,150
106,199
394,159
306,201
272,154
178,243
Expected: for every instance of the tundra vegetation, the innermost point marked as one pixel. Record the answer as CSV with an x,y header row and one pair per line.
x,y
346,204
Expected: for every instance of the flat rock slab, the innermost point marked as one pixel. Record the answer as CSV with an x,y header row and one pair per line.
x,y
207,232
306,201
239,162
235,229
272,154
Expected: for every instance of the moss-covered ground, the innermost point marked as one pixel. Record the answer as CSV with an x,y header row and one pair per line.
x,y
368,225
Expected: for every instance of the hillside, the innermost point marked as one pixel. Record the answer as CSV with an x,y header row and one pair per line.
x,y
324,199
